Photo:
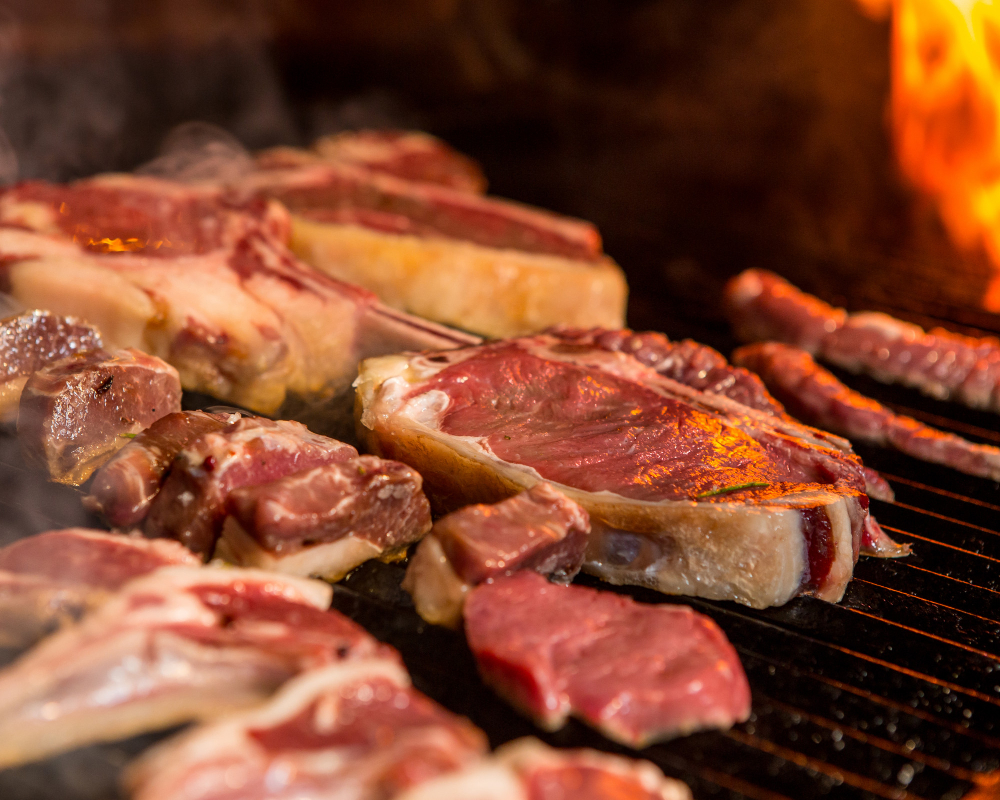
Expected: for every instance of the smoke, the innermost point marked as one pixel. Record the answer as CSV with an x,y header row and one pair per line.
x,y
199,151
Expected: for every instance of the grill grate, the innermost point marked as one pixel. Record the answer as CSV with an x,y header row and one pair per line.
x,y
893,693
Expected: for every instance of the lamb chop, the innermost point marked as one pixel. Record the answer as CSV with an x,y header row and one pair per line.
x,y
32,339
638,673
51,579
940,363
200,280
180,644
540,529
688,492
526,769
454,256
327,520
354,731
76,413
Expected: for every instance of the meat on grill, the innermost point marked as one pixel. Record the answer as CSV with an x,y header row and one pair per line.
x,y
32,339
688,492
540,529
638,673
406,154
51,579
939,363
205,283
182,643
78,412
191,505
526,769
123,489
327,520
815,396
353,731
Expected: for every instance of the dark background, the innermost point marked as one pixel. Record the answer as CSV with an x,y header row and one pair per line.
x,y
701,137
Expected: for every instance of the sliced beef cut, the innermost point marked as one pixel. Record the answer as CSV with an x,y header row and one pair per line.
x,y
229,306
78,412
51,579
30,340
940,363
526,769
354,731
182,643
191,505
406,154
638,673
327,520
815,395
123,489
540,529
688,492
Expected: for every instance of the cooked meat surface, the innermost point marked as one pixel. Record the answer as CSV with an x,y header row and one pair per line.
x,y
52,578
78,412
327,520
638,673
30,340
540,529
688,492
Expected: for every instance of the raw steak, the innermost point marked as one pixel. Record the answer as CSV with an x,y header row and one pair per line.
x,y
688,492
939,363
191,505
123,489
354,731
202,281
32,339
182,643
78,412
327,520
638,673
540,529
816,396
51,579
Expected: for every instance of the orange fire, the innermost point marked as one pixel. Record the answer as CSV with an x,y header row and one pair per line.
x,y
946,114
119,245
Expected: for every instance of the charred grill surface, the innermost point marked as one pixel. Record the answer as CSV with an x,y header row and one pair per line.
x,y
893,693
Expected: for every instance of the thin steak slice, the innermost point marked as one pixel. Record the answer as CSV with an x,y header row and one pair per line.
x,y
182,643
354,731
327,520
526,769
123,489
51,579
410,155
540,529
688,492
78,412
940,363
191,505
638,673
815,396
30,340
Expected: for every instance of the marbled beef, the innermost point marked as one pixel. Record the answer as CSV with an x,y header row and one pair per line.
x,y
540,529
78,412
51,579
327,520
687,492
123,489
638,673
191,505
30,340
182,643
354,731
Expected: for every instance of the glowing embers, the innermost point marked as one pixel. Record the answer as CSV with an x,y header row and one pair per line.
x,y
945,93
131,244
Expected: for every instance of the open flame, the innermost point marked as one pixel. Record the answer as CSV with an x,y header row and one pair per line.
x,y
130,244
945,106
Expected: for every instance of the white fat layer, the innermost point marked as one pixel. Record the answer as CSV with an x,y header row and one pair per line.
x,y
887,326
485,781
843,561
329,560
